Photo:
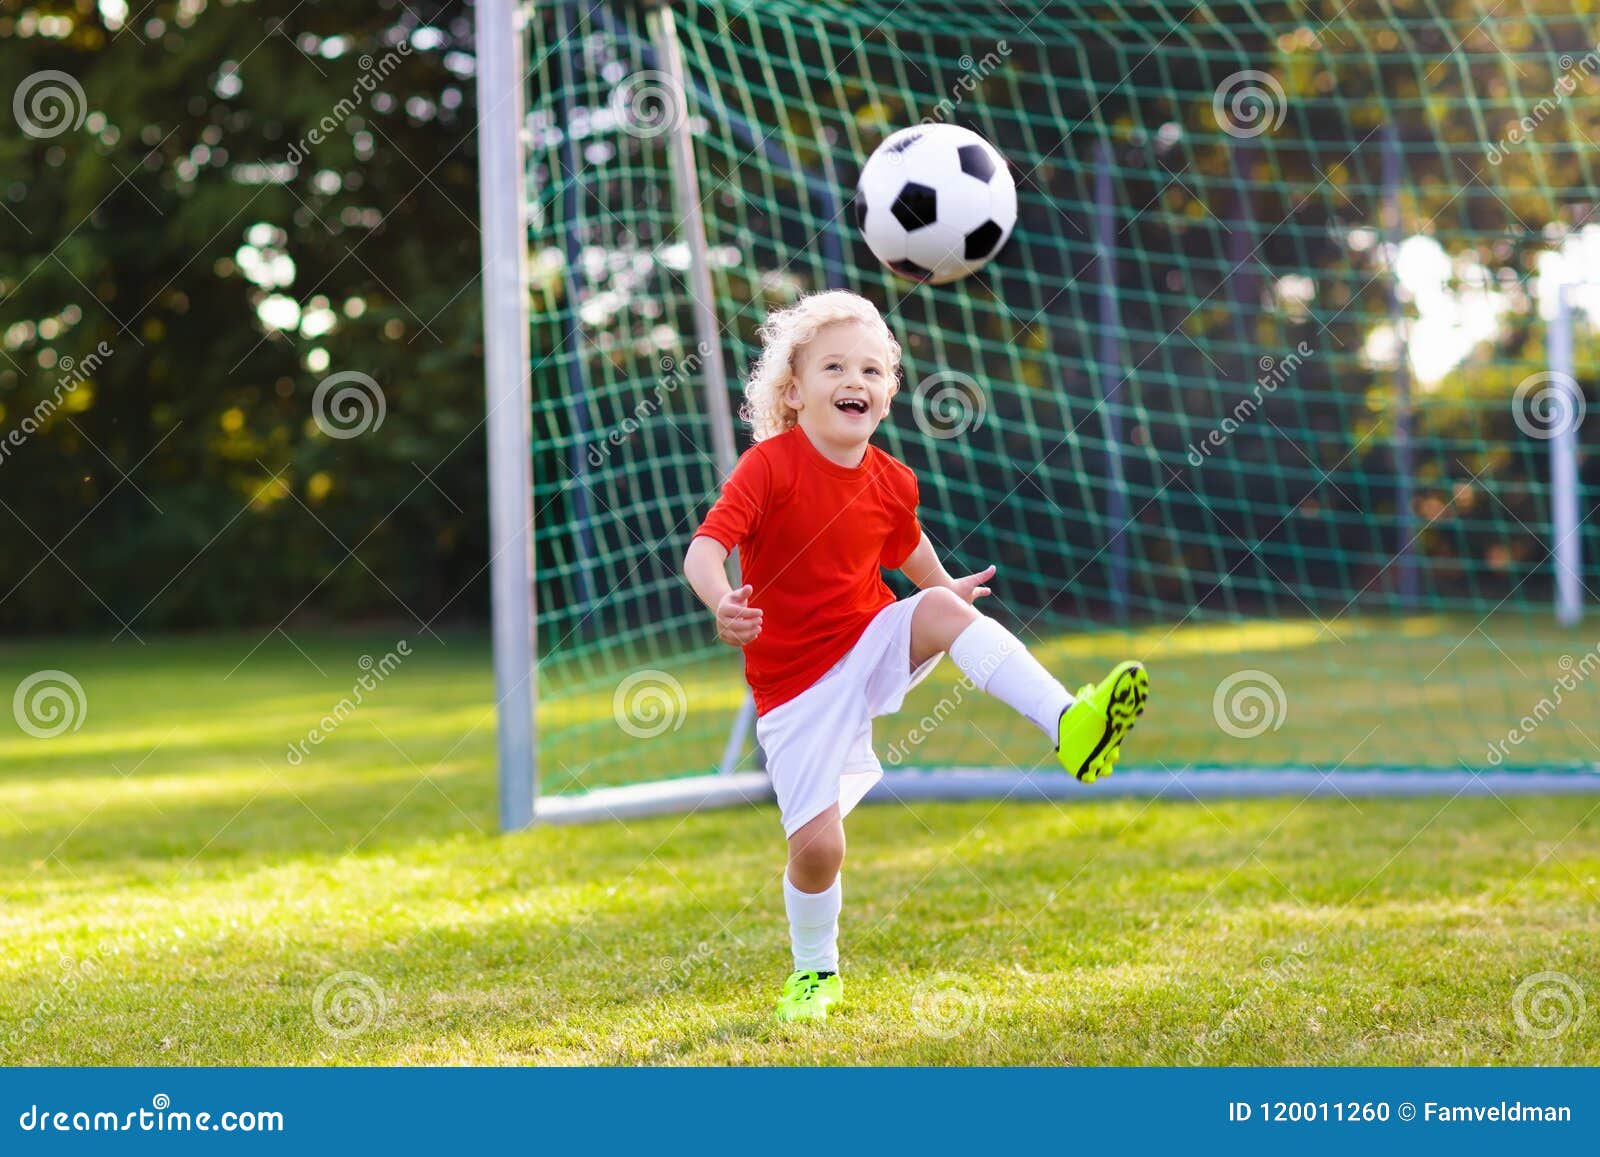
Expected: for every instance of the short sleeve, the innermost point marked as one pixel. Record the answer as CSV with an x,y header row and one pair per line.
x,y
907,531
736,516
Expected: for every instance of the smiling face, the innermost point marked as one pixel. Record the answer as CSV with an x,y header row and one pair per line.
x,y
841,388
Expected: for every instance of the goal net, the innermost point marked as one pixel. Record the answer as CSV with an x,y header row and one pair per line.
x,y
1271,388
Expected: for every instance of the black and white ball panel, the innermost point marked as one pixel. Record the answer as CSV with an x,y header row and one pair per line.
x,y
935,202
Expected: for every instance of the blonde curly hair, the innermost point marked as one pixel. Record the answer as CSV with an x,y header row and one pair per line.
x,y
783,336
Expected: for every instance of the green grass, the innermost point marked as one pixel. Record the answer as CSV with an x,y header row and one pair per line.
x,y
1426,690
173,891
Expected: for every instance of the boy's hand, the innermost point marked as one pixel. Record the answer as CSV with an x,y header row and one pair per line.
x,y
971,588
738,623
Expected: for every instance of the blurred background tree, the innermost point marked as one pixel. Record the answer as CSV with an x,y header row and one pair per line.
x,y
248,199
253,201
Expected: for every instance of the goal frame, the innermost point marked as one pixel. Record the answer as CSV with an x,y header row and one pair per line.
x,y
508,420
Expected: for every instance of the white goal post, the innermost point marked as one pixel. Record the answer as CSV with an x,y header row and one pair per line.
x,y
508,373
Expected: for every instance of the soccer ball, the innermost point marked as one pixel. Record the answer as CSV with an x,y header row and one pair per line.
x,y
935,202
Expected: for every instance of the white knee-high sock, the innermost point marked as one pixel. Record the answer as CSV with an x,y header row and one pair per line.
x,y
814,925
997,662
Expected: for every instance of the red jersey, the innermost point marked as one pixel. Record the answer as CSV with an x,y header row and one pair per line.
x,y
813,536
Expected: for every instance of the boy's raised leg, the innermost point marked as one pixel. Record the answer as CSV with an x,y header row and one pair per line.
x,y
1087,729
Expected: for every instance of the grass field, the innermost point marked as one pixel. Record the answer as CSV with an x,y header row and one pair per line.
x,y
1407,691
174,891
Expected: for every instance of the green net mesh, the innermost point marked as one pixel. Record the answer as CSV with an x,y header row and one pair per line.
x,y
1246,395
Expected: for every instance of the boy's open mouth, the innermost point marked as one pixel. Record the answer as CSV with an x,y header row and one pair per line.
x,y
851,405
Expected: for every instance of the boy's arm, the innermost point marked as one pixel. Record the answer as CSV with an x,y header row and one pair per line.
x,y
704,567
925,569
738,623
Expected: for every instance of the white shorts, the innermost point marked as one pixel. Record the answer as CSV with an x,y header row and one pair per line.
x,y
819,744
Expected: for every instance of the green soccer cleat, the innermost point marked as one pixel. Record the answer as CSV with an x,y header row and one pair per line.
x,y
807,995
1090,733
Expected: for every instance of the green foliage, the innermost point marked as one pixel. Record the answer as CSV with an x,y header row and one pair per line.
x,y
185,481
